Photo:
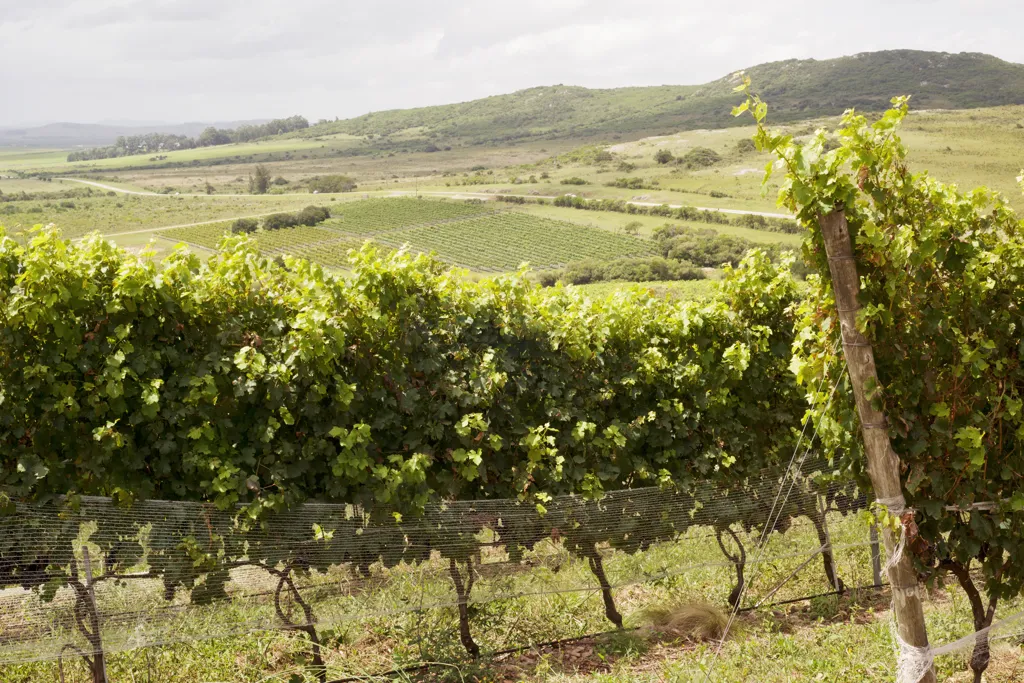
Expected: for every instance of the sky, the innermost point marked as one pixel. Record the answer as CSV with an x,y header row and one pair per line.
x,y
222,60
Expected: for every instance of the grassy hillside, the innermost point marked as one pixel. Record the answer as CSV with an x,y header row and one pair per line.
x,y
796,89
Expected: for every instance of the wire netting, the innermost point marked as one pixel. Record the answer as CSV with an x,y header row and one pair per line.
x,y
84,576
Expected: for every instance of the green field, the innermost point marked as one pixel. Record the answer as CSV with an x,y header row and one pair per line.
x,y
461,234
133,213
502,242
373,216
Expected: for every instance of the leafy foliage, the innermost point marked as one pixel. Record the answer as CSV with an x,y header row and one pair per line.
x,y
683,213
700,157
941,296
331,184
258,385
238,380
629,270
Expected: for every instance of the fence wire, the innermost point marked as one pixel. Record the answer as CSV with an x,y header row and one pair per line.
x,y
87,576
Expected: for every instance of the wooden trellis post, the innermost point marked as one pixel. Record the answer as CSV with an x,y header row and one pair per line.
x,y
883,464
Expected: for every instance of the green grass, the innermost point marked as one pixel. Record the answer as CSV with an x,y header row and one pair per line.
x,y
829,639
132,213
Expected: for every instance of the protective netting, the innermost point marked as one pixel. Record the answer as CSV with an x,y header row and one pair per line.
x,y
86,576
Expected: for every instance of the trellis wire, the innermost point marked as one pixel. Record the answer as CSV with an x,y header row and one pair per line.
x,y
54,537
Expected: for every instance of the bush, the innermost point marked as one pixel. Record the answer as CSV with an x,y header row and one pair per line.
x,y
244,226
632,184
649,269
312,215
701,246
574,181
280,180
279,221
746,146
700,157
331,183
663,156
511,199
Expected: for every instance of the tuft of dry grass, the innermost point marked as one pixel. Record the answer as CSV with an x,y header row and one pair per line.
x,y
687,621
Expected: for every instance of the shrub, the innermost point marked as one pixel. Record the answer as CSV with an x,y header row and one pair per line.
x,y
632,183
701,246
663,156
280,180
700,157
511,199
629,270
279,221
574,181
746,146
244,226
312,215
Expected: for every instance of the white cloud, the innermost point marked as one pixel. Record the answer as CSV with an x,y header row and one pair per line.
x,y
179,60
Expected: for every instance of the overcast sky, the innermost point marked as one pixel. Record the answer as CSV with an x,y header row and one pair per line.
x,y
204,60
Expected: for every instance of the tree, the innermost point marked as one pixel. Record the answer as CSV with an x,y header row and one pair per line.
x,y
259,180
212,136
663,156
632,227
331,184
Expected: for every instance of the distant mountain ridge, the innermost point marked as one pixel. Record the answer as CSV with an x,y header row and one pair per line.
x,y
795,89
65,135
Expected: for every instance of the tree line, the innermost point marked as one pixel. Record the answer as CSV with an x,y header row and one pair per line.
x,y
152,143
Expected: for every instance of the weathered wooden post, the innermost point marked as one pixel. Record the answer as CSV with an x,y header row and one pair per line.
x,y
876,556
98,663
883,464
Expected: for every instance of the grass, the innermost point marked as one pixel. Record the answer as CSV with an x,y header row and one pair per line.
x,y
833,639
133,213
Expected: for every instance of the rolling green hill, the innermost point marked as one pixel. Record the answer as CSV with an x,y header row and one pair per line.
x,y
795,89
